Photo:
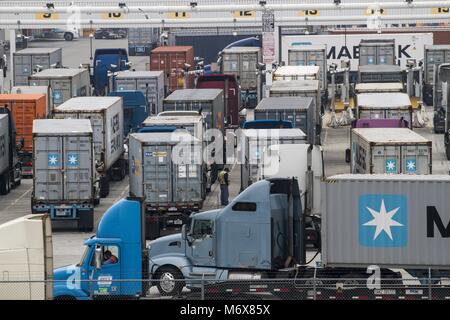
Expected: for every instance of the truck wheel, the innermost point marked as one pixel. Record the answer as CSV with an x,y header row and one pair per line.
x,y
104,187
86,221
4,184
68,36
169,281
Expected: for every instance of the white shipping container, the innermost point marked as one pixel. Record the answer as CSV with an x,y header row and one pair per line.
x,y
376,87
193,124
106,115
390,150
297,73
346,46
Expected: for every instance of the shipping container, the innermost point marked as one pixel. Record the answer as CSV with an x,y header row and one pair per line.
x,y
384,106
64,83
24,109
36,89
297,73
376,87
386,220
166,169
27,61
252,143
194,125
376,52
309,55
63,170
242,62
5,162
299,110
172,60
434,56
150,83
142,40
207,101
106,116
381,73
390,150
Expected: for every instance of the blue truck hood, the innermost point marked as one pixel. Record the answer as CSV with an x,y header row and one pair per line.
x,y
64,273
67,283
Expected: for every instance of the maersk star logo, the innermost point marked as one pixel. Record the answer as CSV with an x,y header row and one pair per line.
x,y
72,159
391,166
411,166
383,220
52,160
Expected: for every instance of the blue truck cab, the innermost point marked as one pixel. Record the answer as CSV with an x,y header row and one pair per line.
x,y
135,109
267,124
107,60
120,232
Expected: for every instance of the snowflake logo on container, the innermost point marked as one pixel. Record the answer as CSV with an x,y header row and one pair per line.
x,y
391,166
72,159
411,166
53,160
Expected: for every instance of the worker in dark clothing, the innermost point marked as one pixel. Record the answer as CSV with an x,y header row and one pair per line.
x,y
224,183
109,258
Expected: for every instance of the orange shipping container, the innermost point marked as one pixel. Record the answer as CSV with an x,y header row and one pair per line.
x,y
25,108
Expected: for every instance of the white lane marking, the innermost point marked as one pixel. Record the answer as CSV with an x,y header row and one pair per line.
x,y
19,198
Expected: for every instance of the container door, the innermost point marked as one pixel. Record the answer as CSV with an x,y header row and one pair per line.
x,y
397,114
78,168
97,128
40,60
157,173
371,114
386,159
61,91
187,180
149,87
416,159
23,114
367,55
48,165
386,55
297,58
22,69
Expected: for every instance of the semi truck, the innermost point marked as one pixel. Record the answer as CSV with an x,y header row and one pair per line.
x,y
259,237
106,115
10,168
107,61
64,177
26,258
135,109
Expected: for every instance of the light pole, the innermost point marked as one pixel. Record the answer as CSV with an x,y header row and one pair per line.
x,y
91,38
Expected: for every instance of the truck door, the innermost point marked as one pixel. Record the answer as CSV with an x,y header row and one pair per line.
x,y
106,280
202,248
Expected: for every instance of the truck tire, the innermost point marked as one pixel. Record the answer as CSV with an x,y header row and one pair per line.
x,y
104,187
4,184
86,221
169,281
68,36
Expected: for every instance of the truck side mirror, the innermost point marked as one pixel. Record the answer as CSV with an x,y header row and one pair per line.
x,y
98,257
183,233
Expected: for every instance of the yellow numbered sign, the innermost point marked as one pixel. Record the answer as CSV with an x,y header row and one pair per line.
x,y
178,15
308,13
244,14
440,10
112,15
371,12
47,16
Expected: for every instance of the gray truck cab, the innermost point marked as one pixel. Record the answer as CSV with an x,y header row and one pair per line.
x,y
258,232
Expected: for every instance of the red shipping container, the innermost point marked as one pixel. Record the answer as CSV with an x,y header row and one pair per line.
x,y
172,60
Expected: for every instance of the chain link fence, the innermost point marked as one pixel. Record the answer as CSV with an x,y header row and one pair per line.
x,y
241,289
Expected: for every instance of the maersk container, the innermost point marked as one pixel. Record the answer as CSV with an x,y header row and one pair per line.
x,y
434,56
377,87
106,116
63,170
208,101
166,168
253,142
28,60
150,83
377,52
385,105
36,89
380,73
242,62
390,150
64,83
298,110
386,220
309,55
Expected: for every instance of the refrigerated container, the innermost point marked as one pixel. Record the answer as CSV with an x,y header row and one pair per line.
x,y
309,55
207,101
64,83
242,62
172,60
381,73
298,110
166,168
251,144
27,61
384,106
390,150
150,83
377,52
24,109
391,221
36,90
106,117
63,171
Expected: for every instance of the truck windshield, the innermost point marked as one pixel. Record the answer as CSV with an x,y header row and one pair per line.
x,y
84,256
